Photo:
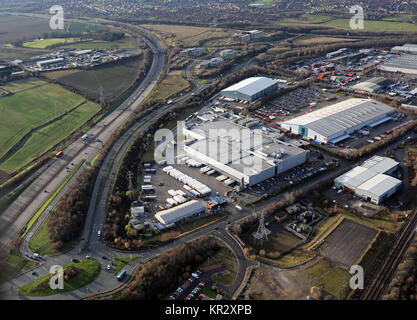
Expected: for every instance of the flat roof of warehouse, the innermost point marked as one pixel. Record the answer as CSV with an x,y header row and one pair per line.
x,y
180,211
407,61
341,116
366,172
232,146
379,184
252,85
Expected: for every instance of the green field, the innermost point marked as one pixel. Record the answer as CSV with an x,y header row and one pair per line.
x,y
46,138
12,53
89,271
127,43
395,23
44,43
333,279
33,104
374,25
114,79
17,28
172,84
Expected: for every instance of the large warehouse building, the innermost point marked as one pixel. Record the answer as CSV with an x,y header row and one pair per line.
x,y
406,48
373,85
406,64
234,151
335,123
172,215
251,89
371,181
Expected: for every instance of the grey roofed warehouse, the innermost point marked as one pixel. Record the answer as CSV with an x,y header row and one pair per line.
x,y
170,216
251,89
334,123
234,151
406,48
372,85
406,64
370,180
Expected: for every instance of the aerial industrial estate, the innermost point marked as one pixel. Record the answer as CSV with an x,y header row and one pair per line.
x,y
222,151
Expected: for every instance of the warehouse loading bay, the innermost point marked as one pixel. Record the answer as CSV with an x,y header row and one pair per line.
x,y
368,135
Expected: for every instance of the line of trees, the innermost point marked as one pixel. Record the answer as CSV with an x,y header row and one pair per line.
x,y
157,278
404,283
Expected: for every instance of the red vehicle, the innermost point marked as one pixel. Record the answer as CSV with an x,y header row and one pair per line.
x,y
59,154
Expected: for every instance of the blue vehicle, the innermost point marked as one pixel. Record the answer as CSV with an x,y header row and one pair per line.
x,y
121,275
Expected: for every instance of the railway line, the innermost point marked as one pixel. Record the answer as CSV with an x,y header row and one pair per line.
x,y
385,272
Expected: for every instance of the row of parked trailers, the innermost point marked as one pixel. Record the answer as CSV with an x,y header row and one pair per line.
x,y
178,197
198,189
188,161
222,178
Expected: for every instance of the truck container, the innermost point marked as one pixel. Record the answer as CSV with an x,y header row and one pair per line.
x,y
194,193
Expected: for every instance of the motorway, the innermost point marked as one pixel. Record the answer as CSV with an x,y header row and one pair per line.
x,y
34,196
21,210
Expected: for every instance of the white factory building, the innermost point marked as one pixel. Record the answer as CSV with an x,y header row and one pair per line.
x,y
251,89
406,48
244,155
335,123
371,181
172,215
406,63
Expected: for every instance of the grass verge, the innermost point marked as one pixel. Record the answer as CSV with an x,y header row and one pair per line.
x,y
88,271
50,199
121,262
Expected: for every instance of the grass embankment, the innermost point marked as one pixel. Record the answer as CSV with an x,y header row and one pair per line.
x,y
51,198
41,244
13,263
121,262
86,272
170,85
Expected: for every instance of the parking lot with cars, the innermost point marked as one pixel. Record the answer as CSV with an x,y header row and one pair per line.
x,y
192,288
317,163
